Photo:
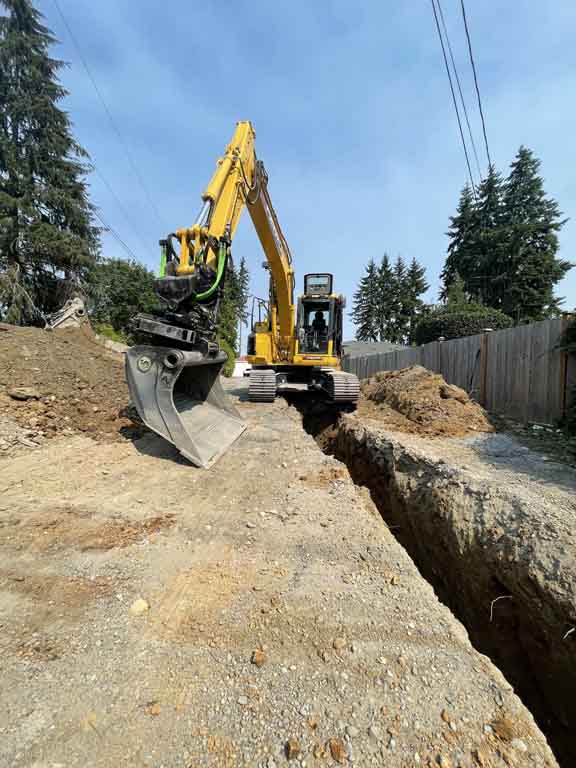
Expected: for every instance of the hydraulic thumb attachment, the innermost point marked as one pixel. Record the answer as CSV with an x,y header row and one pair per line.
x,y
174,377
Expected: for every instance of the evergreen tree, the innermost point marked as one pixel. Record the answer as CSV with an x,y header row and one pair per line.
x,y
386,299
456,292
504,244
400,323
488,245
461,233
365,310
416,285
228,310
533,221
242,298
46,227
118,289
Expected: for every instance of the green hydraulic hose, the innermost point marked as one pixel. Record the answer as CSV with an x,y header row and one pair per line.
x,y
162,260
220,271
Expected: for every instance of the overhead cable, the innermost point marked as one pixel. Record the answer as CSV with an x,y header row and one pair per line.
x,y
459,88
454,98
115,234
475,80
120,205
113,123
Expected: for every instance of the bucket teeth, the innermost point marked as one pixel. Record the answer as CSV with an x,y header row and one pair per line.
x,y
178,394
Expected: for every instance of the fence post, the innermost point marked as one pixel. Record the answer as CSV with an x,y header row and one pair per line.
x,y
482,394
563,370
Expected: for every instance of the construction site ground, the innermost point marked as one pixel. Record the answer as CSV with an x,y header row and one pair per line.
x,y
260,613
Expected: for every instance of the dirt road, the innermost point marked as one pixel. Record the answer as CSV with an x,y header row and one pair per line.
x,y
157,615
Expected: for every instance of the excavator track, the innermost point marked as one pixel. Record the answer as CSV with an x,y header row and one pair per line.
x,y
342,387
262,386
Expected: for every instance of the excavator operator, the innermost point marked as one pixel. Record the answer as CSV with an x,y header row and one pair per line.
x,y
319,324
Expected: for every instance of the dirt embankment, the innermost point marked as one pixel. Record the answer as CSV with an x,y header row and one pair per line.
x,y
61,382
417,401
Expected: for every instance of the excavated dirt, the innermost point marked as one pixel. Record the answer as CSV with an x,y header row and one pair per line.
x,y
417,401
60,382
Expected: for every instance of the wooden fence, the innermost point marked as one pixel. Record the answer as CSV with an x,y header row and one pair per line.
x,y
519,372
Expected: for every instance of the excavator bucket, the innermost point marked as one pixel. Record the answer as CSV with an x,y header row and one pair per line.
x,y
179,395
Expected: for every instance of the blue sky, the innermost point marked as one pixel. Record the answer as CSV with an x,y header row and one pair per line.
x,y
352,112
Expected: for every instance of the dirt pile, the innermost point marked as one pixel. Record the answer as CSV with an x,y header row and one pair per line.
x,y
60,382
416,400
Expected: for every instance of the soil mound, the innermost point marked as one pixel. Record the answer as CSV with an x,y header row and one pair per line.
x,y
418,401
61,382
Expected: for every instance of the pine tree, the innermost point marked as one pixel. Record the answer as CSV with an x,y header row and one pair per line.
x,y
228,309
386,299
461,234
488,247
46,227
365,307
456,292
399,325
533,221
416,285
242,298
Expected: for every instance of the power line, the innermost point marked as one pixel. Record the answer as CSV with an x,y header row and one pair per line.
x,y
115,128
454,98
475,81
459,88
115,234
120,205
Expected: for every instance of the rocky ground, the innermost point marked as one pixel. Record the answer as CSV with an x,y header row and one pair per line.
x,y
259,613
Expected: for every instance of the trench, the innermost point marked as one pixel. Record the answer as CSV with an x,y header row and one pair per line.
x,y
523,637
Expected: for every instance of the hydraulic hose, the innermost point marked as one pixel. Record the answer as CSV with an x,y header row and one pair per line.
x,y
222,255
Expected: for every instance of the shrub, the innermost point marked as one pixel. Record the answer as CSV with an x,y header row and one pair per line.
x,y
106,330
455,321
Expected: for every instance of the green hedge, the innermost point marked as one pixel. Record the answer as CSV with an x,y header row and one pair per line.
x,y
458,321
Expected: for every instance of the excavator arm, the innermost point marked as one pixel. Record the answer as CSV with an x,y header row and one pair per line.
x,y
174,377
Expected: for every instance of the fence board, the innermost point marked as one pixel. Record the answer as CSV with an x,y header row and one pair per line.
x,y
518,372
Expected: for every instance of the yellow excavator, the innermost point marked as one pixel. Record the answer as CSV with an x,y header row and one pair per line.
x,y
174,375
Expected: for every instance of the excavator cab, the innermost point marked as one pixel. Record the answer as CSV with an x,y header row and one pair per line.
x,y
319,318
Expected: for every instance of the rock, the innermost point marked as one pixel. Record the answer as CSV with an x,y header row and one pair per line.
x,y
24,393
250,525
375,732
139,607
339,643
352,731
153,708
443,761
319,752
292,748
520,745
313,722
243,700
445,716
258,658
337,750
